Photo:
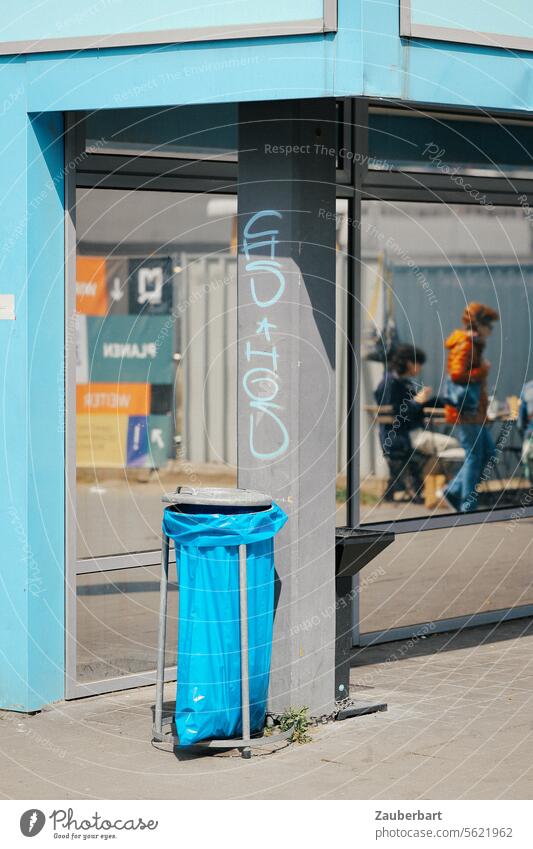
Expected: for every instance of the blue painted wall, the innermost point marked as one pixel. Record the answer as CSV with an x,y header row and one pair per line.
x,y
366,57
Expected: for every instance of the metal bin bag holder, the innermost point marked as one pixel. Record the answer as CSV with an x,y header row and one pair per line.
x,y
224,543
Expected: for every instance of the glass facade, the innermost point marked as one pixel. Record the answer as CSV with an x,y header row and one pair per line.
x,y
156,345
156,336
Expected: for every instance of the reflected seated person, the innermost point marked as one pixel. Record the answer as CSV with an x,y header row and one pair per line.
x,y
405,439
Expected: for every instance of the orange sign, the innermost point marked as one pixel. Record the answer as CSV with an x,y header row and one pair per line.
x,y
91,286
129,399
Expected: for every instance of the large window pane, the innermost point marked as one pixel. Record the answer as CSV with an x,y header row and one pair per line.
x,y
342,357
156,358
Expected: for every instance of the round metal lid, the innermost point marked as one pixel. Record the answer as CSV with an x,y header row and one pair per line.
x,y
215,495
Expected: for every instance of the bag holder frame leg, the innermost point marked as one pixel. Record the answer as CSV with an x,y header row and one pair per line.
x,y
246,743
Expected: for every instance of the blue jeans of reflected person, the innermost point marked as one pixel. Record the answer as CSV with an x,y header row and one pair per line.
x,y
479,449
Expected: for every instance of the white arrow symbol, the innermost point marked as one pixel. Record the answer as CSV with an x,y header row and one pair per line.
x,y
156,437
116,292
136,437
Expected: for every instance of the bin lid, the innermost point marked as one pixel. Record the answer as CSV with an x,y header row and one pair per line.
x,y
217,495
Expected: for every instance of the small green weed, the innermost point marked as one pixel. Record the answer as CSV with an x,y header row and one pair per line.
x,y
299,718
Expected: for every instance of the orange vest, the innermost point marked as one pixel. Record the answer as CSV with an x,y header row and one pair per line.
x,y
465,365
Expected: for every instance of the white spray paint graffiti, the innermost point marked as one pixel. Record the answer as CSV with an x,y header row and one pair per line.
x,y
261,383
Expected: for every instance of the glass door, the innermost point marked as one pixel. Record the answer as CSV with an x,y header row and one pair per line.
x,y
154,325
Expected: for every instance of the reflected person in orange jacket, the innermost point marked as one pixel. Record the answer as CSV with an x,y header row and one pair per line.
x,y
468,401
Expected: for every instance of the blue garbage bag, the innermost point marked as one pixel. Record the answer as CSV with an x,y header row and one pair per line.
x,y
208,699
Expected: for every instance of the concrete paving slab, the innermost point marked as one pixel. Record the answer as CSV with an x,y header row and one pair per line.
x,y
459,725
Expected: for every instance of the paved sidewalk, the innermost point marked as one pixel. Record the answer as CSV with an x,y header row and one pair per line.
x,y
459,725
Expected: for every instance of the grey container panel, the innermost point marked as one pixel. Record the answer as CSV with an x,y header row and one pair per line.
x,y
209,364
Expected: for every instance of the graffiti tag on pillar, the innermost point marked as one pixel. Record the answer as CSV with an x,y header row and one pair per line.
x,y
261,381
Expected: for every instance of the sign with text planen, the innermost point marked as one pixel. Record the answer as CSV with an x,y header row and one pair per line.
x,y
130,349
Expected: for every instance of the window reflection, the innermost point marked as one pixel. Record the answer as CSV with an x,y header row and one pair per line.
x,y
156,353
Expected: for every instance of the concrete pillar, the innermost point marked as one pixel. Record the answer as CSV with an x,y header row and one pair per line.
x,y
286,390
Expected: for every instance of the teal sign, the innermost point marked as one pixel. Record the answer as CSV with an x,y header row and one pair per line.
x,y
33,26
149,441
494,24
160,446
130,349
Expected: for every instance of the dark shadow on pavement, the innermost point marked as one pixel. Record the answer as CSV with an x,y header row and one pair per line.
x,y
428,643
